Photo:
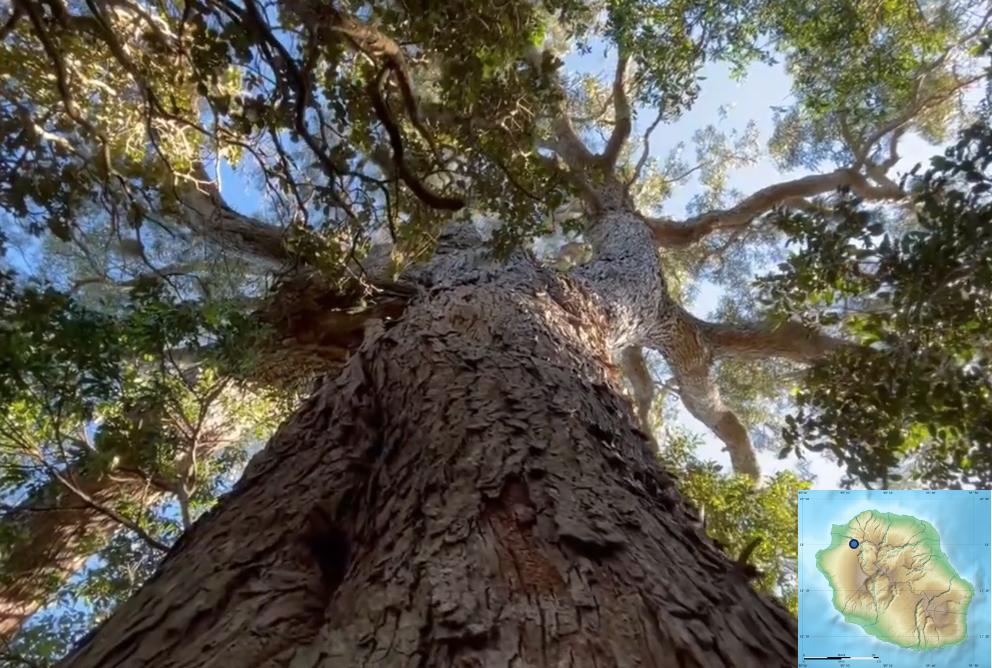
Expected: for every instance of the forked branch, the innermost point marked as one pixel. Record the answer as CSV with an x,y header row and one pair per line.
x,y
691,346
566,143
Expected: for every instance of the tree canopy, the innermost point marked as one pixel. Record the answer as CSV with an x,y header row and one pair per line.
x,y
152,333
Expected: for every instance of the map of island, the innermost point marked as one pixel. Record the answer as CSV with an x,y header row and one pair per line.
x,y
889,576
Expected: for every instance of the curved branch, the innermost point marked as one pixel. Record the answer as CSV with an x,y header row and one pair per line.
x,y
897,126
373,44
208,215
674,234
396,142
893,156
680,340
701,397
873,185
572,150
906,117
691,346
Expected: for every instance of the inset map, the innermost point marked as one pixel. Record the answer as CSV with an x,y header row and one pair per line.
x,y
897,578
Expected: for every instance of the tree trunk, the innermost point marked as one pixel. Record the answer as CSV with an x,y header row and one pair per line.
x,y
470,491
59,528
58,532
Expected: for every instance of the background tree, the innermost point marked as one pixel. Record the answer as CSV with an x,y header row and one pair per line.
x,y
102,425
170,92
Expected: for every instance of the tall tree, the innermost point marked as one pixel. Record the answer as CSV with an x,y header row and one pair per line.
x,y
148,97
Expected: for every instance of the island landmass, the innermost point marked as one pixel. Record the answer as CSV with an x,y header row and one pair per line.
x,y
889,576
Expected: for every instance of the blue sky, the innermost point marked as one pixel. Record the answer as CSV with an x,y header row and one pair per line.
x,y
751,99
764,87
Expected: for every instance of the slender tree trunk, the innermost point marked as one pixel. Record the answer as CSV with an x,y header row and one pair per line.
x,y
471,491
57,532
58,529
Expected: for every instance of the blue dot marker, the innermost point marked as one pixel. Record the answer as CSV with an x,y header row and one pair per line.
x,y
854,544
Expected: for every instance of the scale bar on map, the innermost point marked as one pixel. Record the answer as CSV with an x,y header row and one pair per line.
x,y
839,658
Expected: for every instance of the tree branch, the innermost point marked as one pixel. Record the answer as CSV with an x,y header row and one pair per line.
x,y
181,269
8,27
208,215
893,156
674,234
636,368
859,149
790,340
573,152
899,124
623,121
107,510
701,397
691,346
643,160
679,338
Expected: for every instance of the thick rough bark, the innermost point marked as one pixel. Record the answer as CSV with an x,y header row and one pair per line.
x,y
471,491
315,327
